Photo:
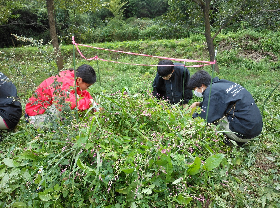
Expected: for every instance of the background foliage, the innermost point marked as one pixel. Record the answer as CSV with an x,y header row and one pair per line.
x,y
141,19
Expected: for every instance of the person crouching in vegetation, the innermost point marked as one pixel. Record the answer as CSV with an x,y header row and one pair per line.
x,y
57,93
10,107
171,83
231,107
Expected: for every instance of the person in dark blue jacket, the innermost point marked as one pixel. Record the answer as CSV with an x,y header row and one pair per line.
x,y
10,107
171,83
231,106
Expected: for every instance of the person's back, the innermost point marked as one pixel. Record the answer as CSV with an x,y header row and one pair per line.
x,y
231,106
234,101
58,92
55,88
10,107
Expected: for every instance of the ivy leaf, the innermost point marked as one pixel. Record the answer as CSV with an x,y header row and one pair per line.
x,y
57,187
177,181
147,191
4,181
128,170
10,163
123,190
19,205
26,175
93,129
182,200
195,167
117,205
213,161
82,140
44,196
28,155
81,165
2,172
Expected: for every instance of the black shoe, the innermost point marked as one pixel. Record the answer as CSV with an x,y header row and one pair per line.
x,y
240,144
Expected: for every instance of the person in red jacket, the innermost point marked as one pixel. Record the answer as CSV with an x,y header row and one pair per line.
x,y
58,92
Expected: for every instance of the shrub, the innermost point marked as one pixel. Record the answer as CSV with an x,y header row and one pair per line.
x,y
136,152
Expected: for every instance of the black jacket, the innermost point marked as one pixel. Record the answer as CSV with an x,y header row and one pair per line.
x,y
10,107
173,88
244,118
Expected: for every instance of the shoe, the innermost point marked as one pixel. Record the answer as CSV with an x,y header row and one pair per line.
x,y
240,144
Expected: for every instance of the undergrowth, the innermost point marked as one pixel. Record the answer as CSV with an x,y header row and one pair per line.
x,y
140,152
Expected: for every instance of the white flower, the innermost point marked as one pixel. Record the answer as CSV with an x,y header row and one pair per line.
x,y
40,170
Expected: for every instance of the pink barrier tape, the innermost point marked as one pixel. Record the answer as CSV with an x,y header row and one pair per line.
x,y
137,54
148,64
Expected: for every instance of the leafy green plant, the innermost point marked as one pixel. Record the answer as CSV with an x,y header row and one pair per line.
x,y
113,161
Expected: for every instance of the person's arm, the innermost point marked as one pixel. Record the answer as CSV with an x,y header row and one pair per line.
x,y
195,104
84,100
155,85
215,110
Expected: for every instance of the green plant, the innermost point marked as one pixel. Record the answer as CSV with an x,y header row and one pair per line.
x,y
113,161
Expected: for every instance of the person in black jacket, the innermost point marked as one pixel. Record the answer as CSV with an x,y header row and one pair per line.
x,y
10,107
171,83
231,106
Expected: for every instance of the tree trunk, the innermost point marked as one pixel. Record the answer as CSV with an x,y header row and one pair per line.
x,y
209,39
59,59
205,7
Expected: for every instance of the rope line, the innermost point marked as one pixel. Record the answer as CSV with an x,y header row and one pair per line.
x,y
137,54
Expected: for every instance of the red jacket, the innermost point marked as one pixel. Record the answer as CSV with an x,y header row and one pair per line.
x,y
58,89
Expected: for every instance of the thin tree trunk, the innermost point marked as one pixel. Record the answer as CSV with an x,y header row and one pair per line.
x,y
209,39
205,7
59,59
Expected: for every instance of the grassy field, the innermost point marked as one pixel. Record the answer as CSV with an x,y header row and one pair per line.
x,y
139,152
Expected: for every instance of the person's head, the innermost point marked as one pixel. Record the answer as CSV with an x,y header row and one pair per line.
x,y
85,76
166,70
199,81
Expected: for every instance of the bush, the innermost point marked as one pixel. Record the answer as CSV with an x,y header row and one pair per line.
x,y
136,152
134,29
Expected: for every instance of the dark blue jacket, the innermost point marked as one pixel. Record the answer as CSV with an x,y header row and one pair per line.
x,y
173,88
10,107
244,118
